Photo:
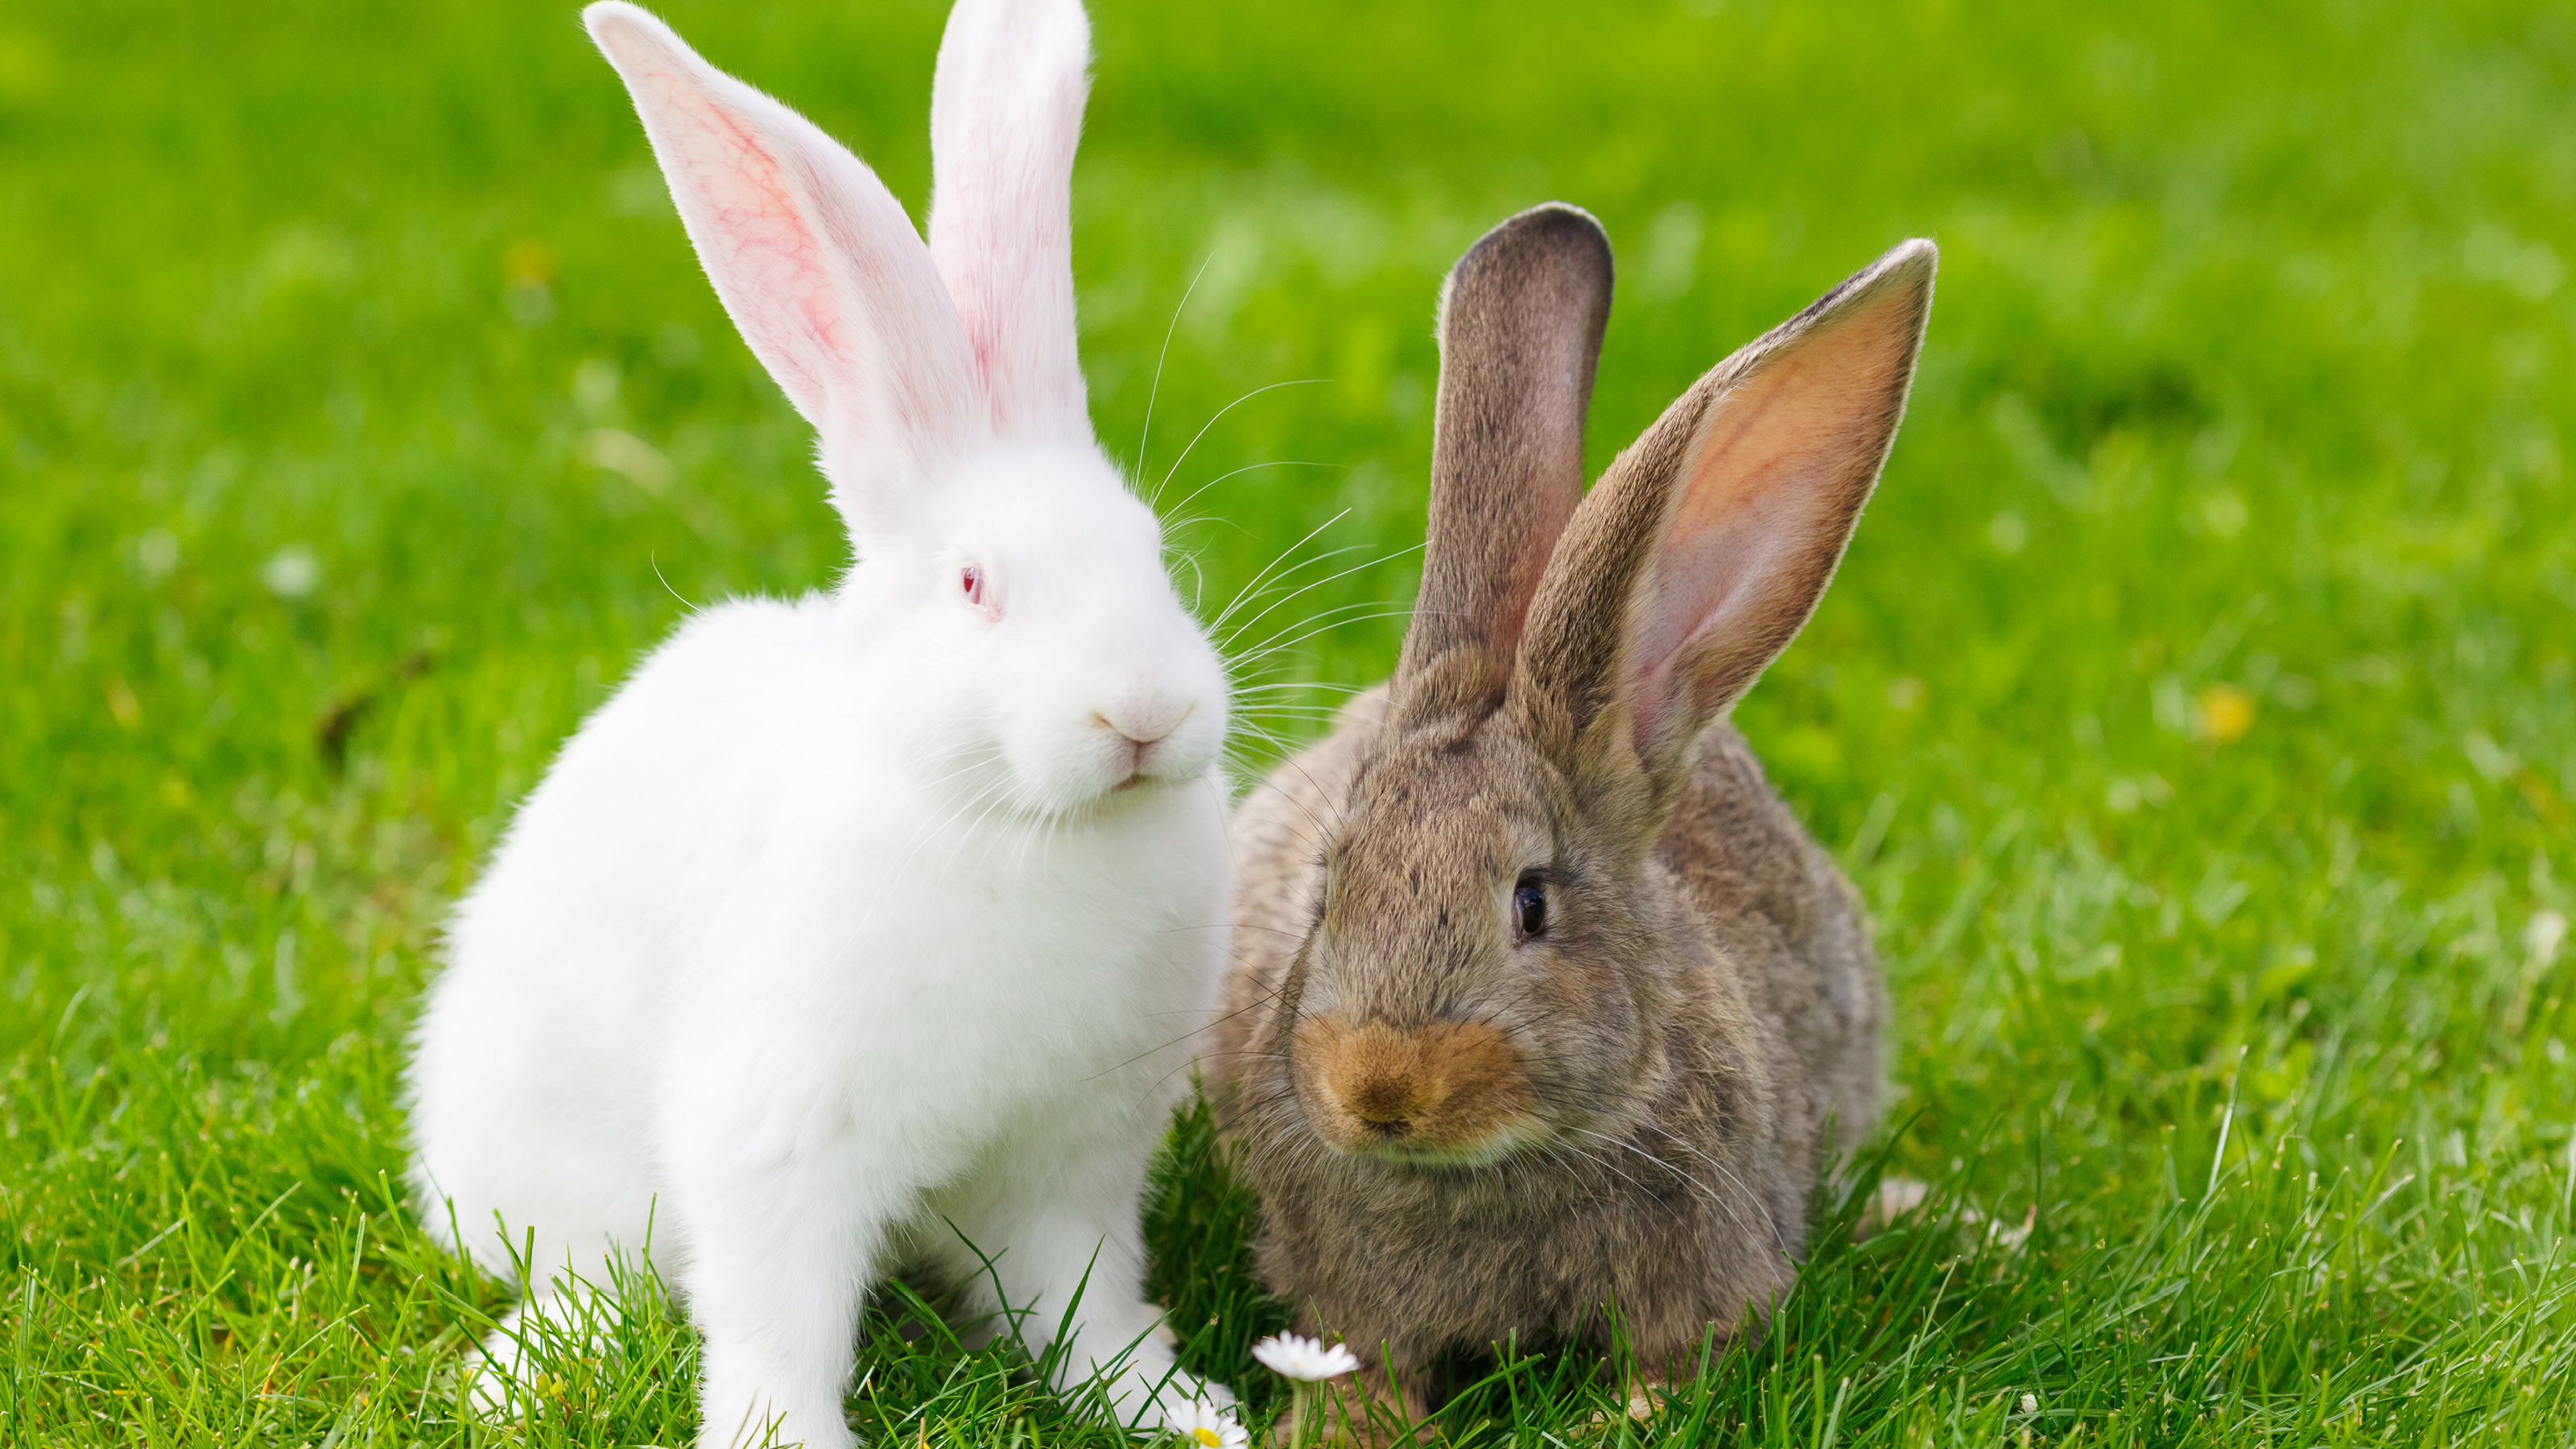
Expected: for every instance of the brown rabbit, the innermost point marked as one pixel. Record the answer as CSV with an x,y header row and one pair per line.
x,y
1542,1002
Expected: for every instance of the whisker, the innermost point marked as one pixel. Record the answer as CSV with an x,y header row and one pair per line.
x,y
1221,412
1289,761
1304,684
1283,557
1154,393
1246,468
1310,587
1270,650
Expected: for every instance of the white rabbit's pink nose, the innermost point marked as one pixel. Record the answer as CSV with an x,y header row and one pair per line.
x,y
1140,728
1143,725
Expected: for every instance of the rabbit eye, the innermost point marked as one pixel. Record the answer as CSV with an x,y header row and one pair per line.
x,y
1529,907
970,581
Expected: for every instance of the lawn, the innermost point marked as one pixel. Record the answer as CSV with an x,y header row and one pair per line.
x,y
2195,709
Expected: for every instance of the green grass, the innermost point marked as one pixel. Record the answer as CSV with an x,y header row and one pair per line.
x,y
2195,708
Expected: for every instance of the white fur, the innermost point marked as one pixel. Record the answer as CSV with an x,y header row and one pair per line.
x,y
860,930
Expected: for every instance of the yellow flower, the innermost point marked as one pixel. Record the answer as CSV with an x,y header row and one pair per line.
x,y
2226,713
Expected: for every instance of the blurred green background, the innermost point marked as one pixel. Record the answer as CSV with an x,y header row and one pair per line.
x,y
2194,708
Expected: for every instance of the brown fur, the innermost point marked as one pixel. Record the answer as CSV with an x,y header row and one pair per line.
x,y
1409,1093
1521,318
1631,1108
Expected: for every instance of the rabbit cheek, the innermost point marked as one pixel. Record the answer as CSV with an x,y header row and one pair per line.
x,y
1451,1092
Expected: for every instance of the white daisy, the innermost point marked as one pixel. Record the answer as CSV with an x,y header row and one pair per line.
x,y
1203,1425
1306,1360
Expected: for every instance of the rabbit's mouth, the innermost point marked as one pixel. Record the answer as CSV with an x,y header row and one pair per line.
x,y
1123,795
1097,801
1399,1153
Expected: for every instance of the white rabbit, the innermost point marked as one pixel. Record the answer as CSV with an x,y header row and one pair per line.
x,y
869,928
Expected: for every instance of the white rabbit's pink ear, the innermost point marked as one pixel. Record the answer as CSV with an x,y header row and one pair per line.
x,y
1005,115
814,260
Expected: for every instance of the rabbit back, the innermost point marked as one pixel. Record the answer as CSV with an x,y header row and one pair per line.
x,y
531,1081
1777,906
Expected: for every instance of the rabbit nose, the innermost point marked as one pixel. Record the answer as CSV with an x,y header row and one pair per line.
x,y
1443,1085
1142,725
1379,1075
1386,1103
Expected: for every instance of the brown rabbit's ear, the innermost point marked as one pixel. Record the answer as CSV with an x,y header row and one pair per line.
x,y
1708,542
1520,328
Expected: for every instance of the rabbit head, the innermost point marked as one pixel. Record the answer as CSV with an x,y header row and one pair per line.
x,y
1492,963
1011,586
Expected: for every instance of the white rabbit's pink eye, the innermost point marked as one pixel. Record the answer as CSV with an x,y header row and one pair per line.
x,y
971,580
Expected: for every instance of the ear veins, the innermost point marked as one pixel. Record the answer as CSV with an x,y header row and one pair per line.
x,y
1727,592
757,225
1706,545
816,262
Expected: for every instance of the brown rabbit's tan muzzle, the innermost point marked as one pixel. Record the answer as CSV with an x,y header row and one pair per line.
x,y
1445,1092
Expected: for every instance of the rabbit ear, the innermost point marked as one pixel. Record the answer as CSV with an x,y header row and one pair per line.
x,y
1005,114
813,258
1708,542
1521,317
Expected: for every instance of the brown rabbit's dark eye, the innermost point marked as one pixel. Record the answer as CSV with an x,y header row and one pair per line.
x,y
1529,907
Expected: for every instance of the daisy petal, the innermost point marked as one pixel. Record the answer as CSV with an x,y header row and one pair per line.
x,y
1307,1360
